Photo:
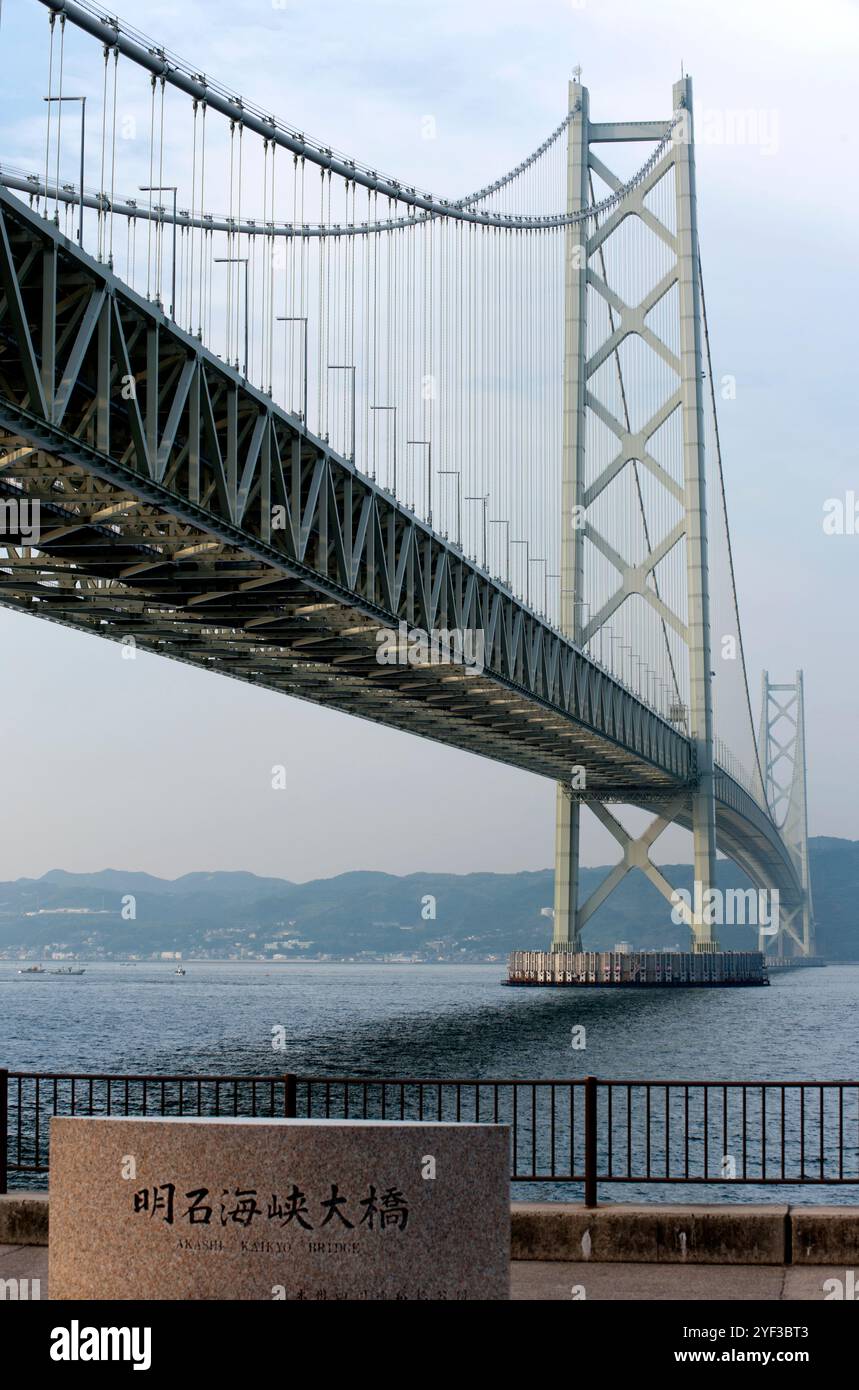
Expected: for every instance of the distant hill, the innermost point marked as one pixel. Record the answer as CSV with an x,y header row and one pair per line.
x,y
475,914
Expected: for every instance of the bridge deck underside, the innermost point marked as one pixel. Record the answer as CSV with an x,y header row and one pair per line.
x,y
143,576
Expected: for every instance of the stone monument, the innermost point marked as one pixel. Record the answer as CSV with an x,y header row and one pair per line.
x,y
278,1209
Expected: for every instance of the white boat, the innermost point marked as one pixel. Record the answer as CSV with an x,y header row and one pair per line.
x,y
180,970
68,970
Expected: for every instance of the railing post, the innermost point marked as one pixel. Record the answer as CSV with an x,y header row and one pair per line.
x,y
4,1126
290,1095
590,1141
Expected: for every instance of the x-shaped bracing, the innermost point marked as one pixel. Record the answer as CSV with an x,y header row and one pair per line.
x,y
636,855
635,578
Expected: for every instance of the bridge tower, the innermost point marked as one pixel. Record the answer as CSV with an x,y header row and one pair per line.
x,y
783,766
582,484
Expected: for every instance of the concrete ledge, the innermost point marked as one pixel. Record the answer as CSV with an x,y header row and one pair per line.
x,y
825,1235
24,1218
727,1234
558,1231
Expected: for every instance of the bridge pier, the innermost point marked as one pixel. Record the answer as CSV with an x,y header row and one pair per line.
x,y
566,931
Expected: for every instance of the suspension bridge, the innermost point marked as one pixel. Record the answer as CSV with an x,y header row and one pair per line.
x,y
271,412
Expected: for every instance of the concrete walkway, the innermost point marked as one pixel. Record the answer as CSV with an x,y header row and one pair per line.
x,y
548,1281
555,1281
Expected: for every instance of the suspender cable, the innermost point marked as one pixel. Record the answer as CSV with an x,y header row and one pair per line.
x,y
113,153
151,181
100,238
59,116
160,225
52,20
202,237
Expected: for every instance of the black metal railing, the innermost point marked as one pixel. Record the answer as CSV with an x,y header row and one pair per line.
x,y
587,1131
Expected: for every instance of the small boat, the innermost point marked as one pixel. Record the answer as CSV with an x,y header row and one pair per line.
x,y
33,970
180,970
68,970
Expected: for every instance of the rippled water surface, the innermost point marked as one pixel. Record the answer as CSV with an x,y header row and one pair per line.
x,y
426,1021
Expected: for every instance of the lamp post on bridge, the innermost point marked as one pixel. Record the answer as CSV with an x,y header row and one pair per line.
x,y
616,655
527,546
501,521
548,577
582,628
455,473
339,367
642,665
611,639
392,490
82,101
484,498
302,319
621,659
428,445
167,188
239,260
538,560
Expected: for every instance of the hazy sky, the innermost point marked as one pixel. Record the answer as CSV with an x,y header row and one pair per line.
x,y
150,765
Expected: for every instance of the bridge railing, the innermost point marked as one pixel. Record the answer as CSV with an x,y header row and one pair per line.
x,y
586,1131
727,762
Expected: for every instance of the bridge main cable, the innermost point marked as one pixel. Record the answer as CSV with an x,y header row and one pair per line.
x,y
196,85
